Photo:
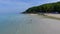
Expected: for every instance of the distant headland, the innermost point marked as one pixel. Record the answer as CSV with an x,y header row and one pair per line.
x,y
45,8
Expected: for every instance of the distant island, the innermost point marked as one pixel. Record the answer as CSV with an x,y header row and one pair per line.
x,y
45,8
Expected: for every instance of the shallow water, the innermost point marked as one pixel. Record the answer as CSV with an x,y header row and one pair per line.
x,y
15,24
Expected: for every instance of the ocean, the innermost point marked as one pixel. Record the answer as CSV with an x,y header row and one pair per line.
x,y
15,24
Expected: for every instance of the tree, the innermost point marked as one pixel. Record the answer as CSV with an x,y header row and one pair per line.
x,y
45,8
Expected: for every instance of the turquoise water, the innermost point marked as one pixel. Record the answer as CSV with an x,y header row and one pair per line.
x,y
13,24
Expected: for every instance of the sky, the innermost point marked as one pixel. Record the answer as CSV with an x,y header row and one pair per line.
x,y
16,6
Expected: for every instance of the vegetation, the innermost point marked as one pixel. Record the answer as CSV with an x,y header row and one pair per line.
x,y
45,8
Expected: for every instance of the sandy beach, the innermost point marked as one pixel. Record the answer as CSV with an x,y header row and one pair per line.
x,y
54,15
40,25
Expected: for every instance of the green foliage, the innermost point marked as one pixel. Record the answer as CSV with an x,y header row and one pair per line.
x,y
46,8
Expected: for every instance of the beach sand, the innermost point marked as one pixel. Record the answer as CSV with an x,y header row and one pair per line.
x,y
54,15
40,25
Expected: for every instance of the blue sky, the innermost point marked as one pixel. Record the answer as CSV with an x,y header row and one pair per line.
x,y
16,6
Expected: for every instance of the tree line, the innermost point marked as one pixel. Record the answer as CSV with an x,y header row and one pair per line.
x,y
45,8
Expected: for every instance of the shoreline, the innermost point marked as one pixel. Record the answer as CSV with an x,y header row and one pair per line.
x,y
52,16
